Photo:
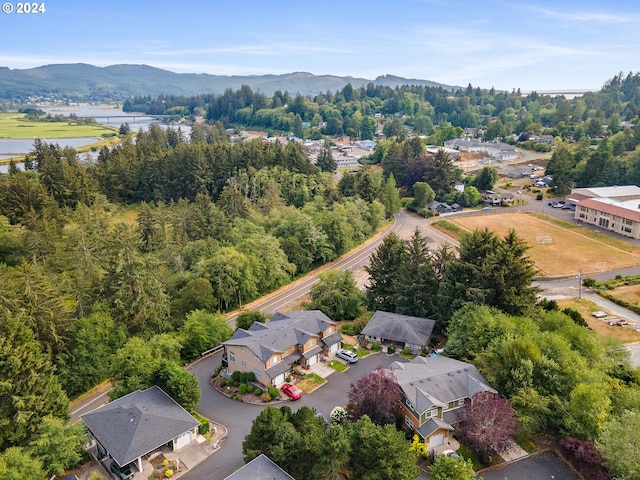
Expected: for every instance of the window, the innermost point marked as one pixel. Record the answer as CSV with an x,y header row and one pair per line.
x,y
244,364
310,343
431,413
408,421
273,360
257,373
232,357
330,330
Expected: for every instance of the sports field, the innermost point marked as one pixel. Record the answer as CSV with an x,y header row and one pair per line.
x,y
558,249
15,125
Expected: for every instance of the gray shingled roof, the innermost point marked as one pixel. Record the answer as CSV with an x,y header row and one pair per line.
x,y
260,468
138,423
399,328
281,332
437,381
432,425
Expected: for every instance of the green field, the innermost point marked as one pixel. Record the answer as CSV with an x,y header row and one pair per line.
x,y
15,125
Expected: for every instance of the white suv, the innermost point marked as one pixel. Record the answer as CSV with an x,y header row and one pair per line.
x,y
347,355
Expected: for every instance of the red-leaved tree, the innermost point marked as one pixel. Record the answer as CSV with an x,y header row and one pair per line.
x,y
585,458
376,395
487,423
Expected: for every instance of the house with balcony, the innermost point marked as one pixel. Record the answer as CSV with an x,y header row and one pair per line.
x,y
271,350
434,389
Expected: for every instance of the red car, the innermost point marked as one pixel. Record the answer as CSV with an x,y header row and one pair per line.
x,y
291,391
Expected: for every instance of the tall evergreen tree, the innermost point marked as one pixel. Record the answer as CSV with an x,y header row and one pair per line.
x,y
29,390
384,268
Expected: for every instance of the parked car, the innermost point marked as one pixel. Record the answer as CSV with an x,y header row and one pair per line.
x,y
291,391
451,453
123,473
347,355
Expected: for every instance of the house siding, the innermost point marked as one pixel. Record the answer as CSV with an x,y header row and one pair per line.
x,y
251,364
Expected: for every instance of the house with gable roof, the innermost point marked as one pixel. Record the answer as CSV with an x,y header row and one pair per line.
x,y
270,350
130,427
260,468
404,331
433,391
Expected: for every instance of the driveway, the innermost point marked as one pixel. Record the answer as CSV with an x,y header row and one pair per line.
x,y
238,417
544,466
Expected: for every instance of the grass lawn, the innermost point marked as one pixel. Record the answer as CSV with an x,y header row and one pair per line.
x,y
586,307
15,125
571,247
310,382
337,366
628,293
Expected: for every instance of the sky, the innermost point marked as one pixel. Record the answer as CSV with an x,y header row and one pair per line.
x,y
546,45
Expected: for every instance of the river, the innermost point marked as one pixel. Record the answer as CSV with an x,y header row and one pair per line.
x,y
105,115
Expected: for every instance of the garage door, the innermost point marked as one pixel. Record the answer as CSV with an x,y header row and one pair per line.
x,y
313,360
182,440
436,440
279,380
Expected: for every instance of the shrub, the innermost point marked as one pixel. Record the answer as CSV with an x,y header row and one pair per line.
x,y
223,383
236,376
589,282
539,196
243,377
204,423
243,388
249,388
288,378
391,348
575,316
168,473
406,351
348,329
258,392
376,346
251,377
236,384
274,392
266,398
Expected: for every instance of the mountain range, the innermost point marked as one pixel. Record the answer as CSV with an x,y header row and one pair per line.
x,y
83,82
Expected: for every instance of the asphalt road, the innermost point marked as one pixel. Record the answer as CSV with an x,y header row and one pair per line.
x,y
546,466
237,416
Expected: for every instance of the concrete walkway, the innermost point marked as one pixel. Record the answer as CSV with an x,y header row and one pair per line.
x,y
514,452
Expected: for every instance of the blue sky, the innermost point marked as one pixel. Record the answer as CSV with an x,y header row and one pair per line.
x,y
535,45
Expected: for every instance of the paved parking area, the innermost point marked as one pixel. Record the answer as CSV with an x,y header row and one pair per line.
x,y
544,466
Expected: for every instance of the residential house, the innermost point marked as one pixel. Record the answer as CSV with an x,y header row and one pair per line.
x,y
127,429
272,349
439,207
501,151
260,468
403,331
494,198
433,391
465,145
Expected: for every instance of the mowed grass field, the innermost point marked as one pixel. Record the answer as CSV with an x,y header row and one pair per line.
x,y
571,248
15,125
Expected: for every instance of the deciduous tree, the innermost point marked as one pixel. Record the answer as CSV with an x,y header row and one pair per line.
x,y
337,295
487,423
376,395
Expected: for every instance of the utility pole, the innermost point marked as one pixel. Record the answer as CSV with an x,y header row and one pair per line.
x,y
580,284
